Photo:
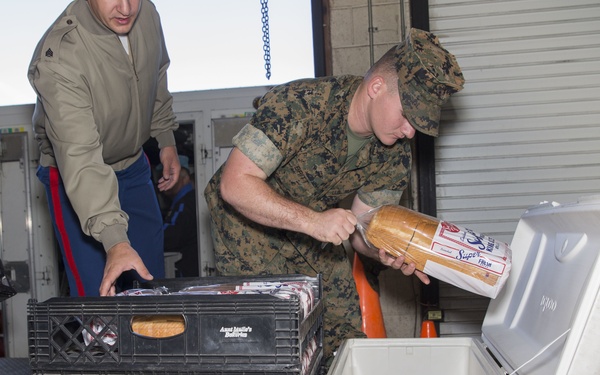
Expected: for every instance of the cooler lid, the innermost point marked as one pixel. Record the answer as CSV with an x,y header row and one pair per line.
x,y
536,323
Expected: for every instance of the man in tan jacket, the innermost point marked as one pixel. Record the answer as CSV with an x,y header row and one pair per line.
x,y
100,75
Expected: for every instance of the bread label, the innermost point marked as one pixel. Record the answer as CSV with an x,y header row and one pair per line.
x,y
464,245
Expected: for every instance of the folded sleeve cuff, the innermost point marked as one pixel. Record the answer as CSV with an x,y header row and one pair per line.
x,y
112,235
380,198
259,148
165,139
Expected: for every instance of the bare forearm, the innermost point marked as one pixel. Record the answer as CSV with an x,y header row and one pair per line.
x,y
359,245
260,203
356,239
243,185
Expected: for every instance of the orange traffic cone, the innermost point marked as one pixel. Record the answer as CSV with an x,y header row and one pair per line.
x,y
428,329
370,307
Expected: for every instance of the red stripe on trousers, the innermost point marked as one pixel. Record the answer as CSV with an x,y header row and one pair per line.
x,y
60,225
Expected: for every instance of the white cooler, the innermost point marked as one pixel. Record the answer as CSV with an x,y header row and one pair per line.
x,y
545,321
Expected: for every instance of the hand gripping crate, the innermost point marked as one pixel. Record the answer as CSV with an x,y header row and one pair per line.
x,y
223,334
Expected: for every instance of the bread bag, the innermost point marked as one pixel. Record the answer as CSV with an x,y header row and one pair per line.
x,y
456,255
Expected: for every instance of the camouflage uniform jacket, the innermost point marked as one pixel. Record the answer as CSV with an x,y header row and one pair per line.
x,y
298,137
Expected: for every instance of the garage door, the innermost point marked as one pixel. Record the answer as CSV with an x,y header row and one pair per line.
x,y
526,128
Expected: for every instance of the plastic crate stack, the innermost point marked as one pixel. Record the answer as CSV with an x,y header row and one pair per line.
x,y
211,325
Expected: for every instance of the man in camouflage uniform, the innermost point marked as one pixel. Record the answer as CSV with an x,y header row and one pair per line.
x,y
313,143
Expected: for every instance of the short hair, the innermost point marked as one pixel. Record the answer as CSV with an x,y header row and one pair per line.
x,y
386,67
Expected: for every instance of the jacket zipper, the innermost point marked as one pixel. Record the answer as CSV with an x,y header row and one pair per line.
x,y
133,61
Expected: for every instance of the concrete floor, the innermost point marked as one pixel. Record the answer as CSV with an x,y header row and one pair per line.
x,y
14,366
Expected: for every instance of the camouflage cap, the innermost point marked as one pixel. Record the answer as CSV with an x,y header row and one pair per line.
x,y
427,75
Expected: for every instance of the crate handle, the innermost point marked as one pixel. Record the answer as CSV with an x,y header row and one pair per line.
x,y
158,326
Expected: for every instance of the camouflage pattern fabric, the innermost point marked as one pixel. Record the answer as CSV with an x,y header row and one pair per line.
x,y
427,75
342,318
298,137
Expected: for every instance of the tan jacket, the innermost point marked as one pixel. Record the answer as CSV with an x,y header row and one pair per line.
x,y
97,106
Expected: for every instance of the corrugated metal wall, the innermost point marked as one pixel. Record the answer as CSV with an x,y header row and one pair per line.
x,y
526,128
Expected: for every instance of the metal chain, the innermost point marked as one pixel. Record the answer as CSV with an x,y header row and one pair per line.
x,y
266,39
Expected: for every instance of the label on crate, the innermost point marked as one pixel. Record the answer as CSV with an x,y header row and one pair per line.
x,y
230,334
236,331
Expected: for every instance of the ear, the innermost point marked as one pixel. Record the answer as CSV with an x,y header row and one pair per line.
x,y
375,86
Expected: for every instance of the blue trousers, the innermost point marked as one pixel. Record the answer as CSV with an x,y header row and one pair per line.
x,y
84,258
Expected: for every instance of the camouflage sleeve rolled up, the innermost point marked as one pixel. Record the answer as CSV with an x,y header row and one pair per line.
x,y
258,147
380,198
277,129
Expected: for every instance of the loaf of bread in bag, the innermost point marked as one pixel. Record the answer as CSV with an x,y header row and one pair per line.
x,y
400,231
158,326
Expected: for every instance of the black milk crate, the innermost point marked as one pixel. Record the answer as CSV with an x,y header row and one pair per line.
x,y
272,340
